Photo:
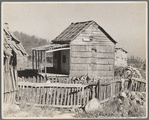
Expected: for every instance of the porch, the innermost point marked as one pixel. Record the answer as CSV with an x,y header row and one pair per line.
x,y
51,59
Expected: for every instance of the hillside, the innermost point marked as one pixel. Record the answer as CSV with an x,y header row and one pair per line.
x,y
29,41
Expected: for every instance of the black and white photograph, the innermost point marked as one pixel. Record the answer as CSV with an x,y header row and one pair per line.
x,y
74,60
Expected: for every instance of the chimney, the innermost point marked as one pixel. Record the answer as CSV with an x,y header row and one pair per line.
x,y
6,26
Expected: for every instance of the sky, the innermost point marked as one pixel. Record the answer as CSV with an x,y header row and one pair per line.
x,y
125,22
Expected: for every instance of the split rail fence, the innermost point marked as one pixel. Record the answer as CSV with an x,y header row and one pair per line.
x,y
67,93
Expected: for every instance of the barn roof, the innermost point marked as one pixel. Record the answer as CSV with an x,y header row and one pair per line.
x,y
74,29
12,43
121,49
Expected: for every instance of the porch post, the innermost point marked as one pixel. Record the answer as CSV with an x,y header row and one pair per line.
x,y
36,58
33,59
41,55
41,60
45,63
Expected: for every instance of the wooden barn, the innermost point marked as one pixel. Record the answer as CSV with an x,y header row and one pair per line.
x,y
120,57
12,48
82,48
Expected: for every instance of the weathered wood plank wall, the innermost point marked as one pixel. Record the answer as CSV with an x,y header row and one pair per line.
x,y
95,57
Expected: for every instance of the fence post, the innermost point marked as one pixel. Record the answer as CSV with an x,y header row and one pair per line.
x,y
112,88
93,92
98,84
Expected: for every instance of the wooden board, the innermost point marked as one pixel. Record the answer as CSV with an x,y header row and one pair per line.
x,y
70,85
100,40
93,60
92,54
88,48
95,42
92,73
91,67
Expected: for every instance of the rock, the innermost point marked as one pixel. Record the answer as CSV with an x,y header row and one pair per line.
x,y
129,95
123,94
6,107
139,101
120,101
126,102
15,108
48,81
144,104
141,96
133,95
72,110
144,94
76,109
10,107
120,108
133,102
93,105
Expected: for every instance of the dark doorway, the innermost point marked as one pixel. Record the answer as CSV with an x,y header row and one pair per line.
x,y
59,61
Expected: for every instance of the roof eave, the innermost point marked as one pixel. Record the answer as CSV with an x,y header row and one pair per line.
x,y
122,50
106,33
61,41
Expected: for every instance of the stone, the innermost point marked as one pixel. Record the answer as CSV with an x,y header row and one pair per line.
x,y
133,102
15,108
120,108
72,110
141,96
129,95
139,101
144,104
6,107
10,107
144,94
48,81
93,105
119,101
126,102
133,95
123,94
76,109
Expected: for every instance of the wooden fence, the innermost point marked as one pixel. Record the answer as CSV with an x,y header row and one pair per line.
x,y
64,92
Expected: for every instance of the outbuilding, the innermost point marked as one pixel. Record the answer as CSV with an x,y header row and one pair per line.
x,y
120,57
12,49
82,48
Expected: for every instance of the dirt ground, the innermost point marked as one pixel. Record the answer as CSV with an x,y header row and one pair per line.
x,y
126,104
36,112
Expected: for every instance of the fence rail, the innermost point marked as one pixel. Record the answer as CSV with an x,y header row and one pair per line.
x,y
67,93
